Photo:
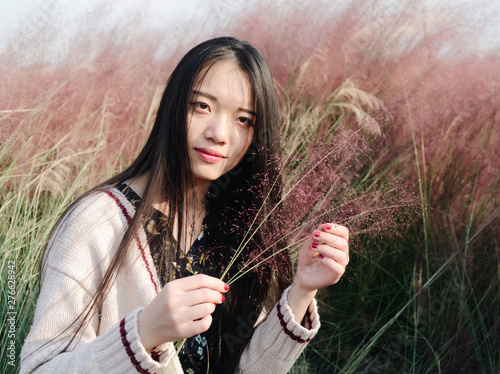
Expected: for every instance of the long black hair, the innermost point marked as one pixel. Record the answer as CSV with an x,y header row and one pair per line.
x,y
249,191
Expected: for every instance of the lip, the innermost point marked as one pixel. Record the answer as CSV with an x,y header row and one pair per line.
x,y
209,155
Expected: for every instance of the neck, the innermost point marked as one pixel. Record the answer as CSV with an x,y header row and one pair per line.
x,y
194,213
200,189
194,203
194,210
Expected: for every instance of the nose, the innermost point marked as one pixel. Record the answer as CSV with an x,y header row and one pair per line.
x,y
218,129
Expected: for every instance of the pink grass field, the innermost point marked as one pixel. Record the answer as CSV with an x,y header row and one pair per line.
x,y
412,77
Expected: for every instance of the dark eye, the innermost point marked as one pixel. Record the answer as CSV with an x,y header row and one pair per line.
x,y
202,106
245,121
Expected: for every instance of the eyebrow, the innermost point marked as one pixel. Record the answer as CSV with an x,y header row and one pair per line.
x,y
212,97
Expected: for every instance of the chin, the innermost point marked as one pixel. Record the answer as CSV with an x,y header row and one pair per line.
x,y
206,177
208,172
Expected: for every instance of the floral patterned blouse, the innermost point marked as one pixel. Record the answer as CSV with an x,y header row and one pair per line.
x,y
196,351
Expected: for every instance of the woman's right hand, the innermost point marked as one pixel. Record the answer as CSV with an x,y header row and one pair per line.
x,y
182,309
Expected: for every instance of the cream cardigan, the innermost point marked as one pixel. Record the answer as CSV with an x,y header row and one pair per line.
x,y
78,254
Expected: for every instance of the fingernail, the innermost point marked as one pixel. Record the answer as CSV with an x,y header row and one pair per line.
x,y
328,227
223,298
317,234
226,287
321,257
314,245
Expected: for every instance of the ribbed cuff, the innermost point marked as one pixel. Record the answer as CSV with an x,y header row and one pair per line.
x,y
279,340
294,330
121,351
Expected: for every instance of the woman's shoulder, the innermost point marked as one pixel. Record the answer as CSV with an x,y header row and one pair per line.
x,y
97,208
90,229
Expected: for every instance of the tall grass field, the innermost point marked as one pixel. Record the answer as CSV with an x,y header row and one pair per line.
x,y
391,126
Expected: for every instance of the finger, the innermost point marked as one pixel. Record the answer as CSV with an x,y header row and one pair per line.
x,y
198,281
197,327
334,267
203,295
335,229
331,240
335,254
199,311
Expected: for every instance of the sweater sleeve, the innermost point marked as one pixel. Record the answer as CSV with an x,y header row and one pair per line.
x,y
118,350
279,340
71,273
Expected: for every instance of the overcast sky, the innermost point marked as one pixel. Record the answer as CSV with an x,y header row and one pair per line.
x,y
14,13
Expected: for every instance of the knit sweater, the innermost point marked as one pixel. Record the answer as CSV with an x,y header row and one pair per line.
x,y
78,255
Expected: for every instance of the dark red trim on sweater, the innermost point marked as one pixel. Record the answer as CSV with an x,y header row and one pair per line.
x,y
130,353
120,205
143,254
287,331
141,248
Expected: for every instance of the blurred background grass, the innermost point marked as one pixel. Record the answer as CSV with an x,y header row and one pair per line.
x,y
390,113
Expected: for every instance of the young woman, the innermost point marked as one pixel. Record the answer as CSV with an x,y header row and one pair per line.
x,y
134,265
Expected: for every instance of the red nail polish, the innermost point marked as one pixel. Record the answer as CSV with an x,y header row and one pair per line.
x,y
223,298
321,257
314,245
317,234
328,227
226,287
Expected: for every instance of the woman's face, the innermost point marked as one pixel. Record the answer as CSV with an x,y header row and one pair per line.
x,y
220,122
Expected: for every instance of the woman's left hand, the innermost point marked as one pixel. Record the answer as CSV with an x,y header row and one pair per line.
x,y
323,257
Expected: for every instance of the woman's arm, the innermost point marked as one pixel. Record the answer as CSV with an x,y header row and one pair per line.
x,y
78,253
61,300
294,321
279,340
